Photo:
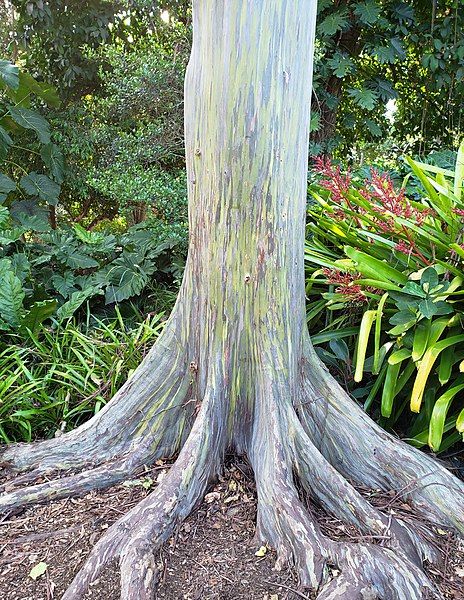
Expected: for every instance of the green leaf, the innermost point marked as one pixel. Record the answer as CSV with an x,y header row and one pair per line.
x,y
373,128
404,11
88,237
373,268
384,54
36,315
413,289
340,349
398,46
440,410
315,122
7,185
389,389
333,22
31,119
67,310
4,216
64,285
127,276
402,317
8,236
368,11
446,365
5,142
429,279
421,338
341,65
365,98
428,308
20,265
75,258
54,160
37,184
400,329
9,73
43,90
326,336
384,88
11,298
399,356
30,215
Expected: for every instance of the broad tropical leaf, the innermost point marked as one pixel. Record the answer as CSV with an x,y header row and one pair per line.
x,y
31,119
11,298
9,73
37,184
54,159
36,315
7,185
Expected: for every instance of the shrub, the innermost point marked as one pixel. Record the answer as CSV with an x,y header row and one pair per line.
x,y
391,271
53,273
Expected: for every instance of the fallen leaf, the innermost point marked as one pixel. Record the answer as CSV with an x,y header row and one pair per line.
x,y
212,496
261,552
231,499
38,570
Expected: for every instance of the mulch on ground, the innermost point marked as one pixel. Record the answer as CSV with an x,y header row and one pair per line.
x,y
212,556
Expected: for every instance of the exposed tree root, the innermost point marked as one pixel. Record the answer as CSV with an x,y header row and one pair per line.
x,y
320,479
135,536
97,478
367,570
365,454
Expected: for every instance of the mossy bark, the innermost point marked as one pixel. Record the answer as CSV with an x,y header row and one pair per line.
x,y
234,368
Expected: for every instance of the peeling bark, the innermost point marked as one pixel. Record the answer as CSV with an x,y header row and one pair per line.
x,y
234,367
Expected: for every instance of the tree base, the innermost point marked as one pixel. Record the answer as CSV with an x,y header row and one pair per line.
x,y
310,446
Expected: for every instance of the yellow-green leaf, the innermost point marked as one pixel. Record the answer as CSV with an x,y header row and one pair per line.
x,y
459,172
389,389
38,570
425,367
399,355
378,332
440,410
421,338
460,422
364,331
261,552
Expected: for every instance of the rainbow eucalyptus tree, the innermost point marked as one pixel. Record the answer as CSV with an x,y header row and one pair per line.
x,y
234,367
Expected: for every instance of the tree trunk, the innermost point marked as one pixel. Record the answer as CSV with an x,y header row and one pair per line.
x,y
234,367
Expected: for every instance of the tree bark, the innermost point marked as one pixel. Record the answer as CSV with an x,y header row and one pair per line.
x,y
234,367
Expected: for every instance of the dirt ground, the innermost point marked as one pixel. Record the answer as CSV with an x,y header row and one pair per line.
x,y
212,555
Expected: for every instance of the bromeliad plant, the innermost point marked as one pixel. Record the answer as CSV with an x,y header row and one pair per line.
x,y
394,270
